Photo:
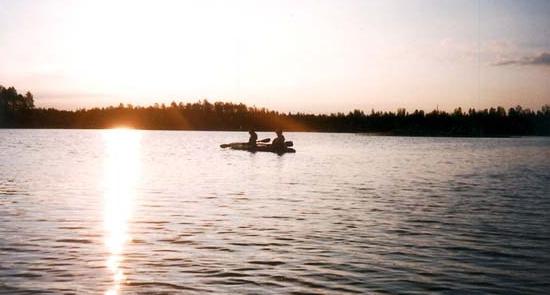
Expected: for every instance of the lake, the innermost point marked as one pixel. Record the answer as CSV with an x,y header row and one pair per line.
x,y
141,212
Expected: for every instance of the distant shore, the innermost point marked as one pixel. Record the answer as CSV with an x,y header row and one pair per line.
x,y
18,111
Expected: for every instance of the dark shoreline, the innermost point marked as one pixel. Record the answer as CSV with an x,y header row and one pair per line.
x,y
18,111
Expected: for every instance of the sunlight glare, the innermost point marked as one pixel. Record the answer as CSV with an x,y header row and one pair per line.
x,y
120,176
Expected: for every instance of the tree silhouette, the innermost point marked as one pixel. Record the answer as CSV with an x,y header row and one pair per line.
x,y
18,111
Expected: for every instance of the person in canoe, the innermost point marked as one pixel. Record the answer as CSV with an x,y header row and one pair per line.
x,y
253,138
278,144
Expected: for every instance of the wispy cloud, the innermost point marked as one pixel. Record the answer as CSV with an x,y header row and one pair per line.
x,y
542,59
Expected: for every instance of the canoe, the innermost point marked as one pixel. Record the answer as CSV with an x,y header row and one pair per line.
x,y
242,146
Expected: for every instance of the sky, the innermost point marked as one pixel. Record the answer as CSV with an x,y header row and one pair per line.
x,y
307,56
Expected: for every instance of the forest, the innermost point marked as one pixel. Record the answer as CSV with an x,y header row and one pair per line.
x,y
18,111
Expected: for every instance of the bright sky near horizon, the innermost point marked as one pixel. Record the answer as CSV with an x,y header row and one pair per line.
x,y
312,56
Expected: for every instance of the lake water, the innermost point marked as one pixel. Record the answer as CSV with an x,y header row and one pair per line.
x,y
141,212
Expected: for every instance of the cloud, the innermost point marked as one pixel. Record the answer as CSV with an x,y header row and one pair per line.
x,y
542,59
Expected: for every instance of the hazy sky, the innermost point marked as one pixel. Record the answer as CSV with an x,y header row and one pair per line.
x,y
315,56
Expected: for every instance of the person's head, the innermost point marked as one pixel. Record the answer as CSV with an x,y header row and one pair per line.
x,y
279,132
251,131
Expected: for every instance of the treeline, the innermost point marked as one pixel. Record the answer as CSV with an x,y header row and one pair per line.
x,y
18,111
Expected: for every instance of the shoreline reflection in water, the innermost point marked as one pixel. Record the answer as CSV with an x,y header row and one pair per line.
x,y
120,177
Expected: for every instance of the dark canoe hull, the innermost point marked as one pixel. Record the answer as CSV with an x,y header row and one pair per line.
x,y
259,148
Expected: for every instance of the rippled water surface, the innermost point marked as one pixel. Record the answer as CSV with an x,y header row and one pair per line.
x,y
141,212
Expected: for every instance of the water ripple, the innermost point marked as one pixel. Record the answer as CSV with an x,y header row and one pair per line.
x,y
375,215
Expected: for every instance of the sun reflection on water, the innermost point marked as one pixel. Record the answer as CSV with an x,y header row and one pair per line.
x,y
120,177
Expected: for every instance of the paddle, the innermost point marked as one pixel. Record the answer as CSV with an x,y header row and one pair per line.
x,y
265,140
